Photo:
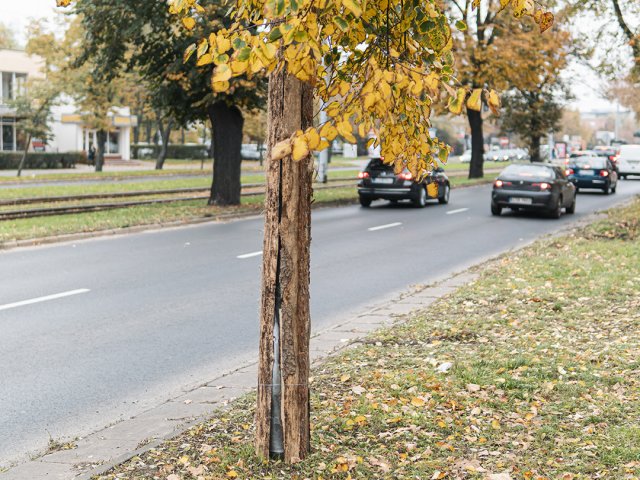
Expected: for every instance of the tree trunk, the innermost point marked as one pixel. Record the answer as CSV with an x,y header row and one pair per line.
x,y
476,167
24,155
534,148
227,123
101,138
165,131
283,372
136,134
148,131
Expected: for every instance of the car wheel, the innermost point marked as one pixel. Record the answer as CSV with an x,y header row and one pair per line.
x,y
556,212
420,201
572,208
444,199
365,201
495,209
607,190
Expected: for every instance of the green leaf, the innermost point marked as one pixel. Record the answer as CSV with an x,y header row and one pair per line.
x,y
460,25
275,34
341,23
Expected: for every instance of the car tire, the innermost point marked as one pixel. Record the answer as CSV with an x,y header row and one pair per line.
x,y
365,201
556,212
624,177
420,200
496,210
444,199
572,208
607,190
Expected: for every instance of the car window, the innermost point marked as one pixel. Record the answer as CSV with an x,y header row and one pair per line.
x,y
590,162
378,164
528,171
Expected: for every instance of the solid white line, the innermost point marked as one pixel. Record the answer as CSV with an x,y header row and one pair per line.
x,y
249,255
382,227
44,299
460,210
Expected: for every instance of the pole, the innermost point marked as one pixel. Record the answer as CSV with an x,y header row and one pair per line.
x,y
323,156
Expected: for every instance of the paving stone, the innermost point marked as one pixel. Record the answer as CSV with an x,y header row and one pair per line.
x,y
380,319
245,377
215,395
458,280
93,450
146,426
37,470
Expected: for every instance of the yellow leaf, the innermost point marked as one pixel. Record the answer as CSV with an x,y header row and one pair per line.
x,y
238,68
522,7
546,22
475,100
353,7
323,144
222,44
313,138
189,23
183,459
189,52
281,150
493,99
417,402
504,3
329,132
346,131
432,81
300,148
63,3
456,103
205,59
345,377
232,474
432,189
495,424
220,86
221,73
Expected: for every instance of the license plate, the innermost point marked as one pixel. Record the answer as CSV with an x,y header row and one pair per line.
x,y
586,172
521,200
383,180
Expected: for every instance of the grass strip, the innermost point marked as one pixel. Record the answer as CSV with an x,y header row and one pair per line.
x,y
531,372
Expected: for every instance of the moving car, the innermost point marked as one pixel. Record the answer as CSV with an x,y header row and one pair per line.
x,y
629,160
378,181
533,187
593,172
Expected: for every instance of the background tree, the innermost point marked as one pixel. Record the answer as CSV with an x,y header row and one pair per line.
x,y
7,37
480,59
533,103
127,34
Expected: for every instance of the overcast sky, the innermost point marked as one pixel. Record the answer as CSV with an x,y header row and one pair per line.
x,y
17,14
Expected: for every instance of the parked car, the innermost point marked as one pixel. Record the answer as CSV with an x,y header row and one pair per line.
x,y
629,160
378,181
251,151
540,187
593,172
466,157
499,156
610,153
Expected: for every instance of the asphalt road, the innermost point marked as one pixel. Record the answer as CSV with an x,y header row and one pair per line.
x,y
135,319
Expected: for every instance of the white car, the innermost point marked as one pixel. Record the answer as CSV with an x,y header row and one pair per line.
x,y
629,160
466,157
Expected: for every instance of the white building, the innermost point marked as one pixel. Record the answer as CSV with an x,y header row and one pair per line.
x,y
69,132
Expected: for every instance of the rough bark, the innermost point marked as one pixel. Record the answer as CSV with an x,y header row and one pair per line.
x,y
165,131
227,122
534,148
476,167
24,155
101,139
285,273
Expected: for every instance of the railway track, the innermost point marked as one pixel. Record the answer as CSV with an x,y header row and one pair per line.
x,y
252,189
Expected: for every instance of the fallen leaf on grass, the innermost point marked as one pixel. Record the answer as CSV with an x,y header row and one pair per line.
x,y
472,387
358,390
499,476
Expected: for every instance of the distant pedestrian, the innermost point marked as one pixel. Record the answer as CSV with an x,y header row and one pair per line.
x,y
92,155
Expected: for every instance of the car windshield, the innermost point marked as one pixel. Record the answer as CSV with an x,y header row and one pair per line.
x,y
378,164
527,171
590,162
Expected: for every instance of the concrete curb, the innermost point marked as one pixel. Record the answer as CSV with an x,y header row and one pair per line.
x,y
100,451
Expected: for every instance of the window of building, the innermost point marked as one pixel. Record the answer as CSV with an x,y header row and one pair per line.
x,y
12,85
8,137
112,142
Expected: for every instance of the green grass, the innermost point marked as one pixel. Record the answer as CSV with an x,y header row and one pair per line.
x,y
545,382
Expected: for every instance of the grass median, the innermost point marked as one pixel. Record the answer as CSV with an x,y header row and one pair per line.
x,y
530,372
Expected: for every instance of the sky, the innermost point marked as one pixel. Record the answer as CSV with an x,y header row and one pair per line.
x,y
16,13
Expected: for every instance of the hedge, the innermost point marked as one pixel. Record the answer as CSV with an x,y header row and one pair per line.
x,y
40,160
179,152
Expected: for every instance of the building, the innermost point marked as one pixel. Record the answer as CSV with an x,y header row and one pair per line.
x,y
68,130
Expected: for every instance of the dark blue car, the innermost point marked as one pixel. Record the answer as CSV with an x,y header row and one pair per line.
x,y
593,172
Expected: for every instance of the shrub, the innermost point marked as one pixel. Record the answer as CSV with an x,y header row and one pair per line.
x,y
40,160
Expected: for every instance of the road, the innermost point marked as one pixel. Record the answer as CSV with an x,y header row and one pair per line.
x,y
100,330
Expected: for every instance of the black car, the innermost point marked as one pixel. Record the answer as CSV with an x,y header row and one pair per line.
x,y
378,181
593,172
533,187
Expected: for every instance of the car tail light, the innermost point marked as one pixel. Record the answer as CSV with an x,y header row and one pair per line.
x,y
604,173
542,186
363,175
498,183
405,176
569,171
